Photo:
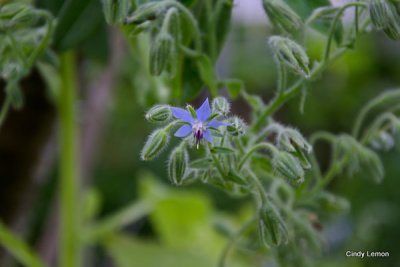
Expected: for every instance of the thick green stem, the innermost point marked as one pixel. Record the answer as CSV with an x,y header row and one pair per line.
x,y
69,168
334,26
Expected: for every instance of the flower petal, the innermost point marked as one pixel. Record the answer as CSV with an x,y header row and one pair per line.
x,y
204,112
184,131
215,124
182,114
208,136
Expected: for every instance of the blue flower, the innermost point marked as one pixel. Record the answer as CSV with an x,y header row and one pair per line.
x,y
197,125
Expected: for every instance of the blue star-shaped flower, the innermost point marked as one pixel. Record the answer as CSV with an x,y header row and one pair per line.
x,y
198,125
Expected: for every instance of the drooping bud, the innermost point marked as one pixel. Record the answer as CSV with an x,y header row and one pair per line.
x,y
236,126
271,228
383,141
292,141
178,165
291,54
288,167
384,16
220,106
115,11
161,52
326,13
172,23
282,16
16,15
159,113
155,144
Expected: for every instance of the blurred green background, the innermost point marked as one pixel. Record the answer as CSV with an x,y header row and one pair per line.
x,y
189,226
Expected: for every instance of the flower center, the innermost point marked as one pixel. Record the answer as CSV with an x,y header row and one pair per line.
x,y
198,129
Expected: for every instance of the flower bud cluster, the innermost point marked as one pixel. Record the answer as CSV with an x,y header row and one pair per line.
x,y
385,16
282,16
290,54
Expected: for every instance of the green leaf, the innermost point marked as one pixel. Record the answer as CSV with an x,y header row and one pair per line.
x,y
200,163
236,178
234,86
206,70
221,150
130,252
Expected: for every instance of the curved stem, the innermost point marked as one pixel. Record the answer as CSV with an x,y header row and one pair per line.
x,y
334,26
279,100
254,149
216,161
45,40
377,124
229,246
391,96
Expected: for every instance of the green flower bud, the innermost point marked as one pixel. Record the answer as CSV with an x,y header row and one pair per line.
x,y
271,228
384,16
155,144
220,106
331,203
158,114
288,166
178,165
292,141
172,23
236,126
282,16
291,54
16,15
115,11
383,141
326,13
161,52
145,12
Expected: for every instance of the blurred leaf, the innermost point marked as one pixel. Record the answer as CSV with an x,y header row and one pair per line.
x,y
305,8
73,27
234,86
128,252
221,150
206,70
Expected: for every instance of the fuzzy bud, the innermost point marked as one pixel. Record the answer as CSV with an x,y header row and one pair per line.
x,y
384,16
236,126
145,12
172,23
220,106
288,166
271,228
162,50
282,16
16,15
155,144
290,54
292,141
115,11
383,141
158,114
178,165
